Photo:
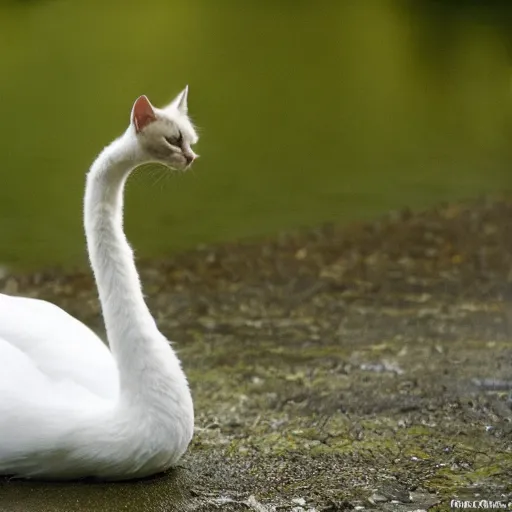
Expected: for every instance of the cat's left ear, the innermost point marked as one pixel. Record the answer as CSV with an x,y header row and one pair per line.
x,y
180,102
142,113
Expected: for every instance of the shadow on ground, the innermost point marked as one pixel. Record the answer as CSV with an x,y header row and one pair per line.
x,y
334,368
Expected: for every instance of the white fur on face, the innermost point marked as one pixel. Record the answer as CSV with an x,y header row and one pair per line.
x,y
169,135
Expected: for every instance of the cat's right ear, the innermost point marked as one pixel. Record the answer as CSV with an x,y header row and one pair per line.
x,y
142,113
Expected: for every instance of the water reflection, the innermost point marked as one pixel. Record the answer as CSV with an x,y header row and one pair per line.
x,y
308,111
167,493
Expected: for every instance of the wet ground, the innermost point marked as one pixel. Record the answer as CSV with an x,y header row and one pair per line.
x,y
332,369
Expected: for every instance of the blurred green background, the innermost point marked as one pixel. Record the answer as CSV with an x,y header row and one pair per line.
x,y
308,111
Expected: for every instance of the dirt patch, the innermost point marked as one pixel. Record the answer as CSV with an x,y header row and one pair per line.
x,y
339,367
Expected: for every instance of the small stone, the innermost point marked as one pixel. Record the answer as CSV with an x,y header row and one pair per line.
x,y
301,254
377,498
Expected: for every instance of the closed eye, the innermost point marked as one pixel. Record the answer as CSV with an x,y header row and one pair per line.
x,y
175,141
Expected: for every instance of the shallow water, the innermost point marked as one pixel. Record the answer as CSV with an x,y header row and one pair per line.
x,y
308,112
161,494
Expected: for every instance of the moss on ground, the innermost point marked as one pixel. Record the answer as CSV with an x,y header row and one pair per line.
x,y
336,368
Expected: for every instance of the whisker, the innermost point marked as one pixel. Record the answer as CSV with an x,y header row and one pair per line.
x,y
155,172
161,177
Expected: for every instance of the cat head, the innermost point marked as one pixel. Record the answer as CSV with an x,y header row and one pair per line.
x,y
164,135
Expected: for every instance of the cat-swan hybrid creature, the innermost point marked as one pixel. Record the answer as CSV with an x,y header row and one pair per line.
x,y
70,407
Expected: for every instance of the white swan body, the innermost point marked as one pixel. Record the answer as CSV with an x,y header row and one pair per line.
x,y
69,406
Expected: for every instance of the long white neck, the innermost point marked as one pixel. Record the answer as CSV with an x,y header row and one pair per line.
x,y
141,352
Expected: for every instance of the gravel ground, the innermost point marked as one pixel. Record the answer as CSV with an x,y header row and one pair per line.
x,y
332,368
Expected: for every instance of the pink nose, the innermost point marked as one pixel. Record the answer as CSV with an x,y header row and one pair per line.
x,y
189,158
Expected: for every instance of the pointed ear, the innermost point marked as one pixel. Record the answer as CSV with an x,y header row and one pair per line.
x,y
142,113
180,102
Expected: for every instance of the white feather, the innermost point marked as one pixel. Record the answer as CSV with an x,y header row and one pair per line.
x,y
69,406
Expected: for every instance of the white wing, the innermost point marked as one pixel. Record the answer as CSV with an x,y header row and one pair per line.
x,y
56,345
